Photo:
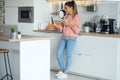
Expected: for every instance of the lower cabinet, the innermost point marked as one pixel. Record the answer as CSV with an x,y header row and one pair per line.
x,y
92,56
54,45
96,56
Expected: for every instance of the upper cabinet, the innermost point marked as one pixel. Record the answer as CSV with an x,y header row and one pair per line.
x,y
26,2
19,3
11,2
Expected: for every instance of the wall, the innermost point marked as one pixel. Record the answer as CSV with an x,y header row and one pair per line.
x,y
106,8
11,14
2,14
102,8
119,14
42,10
40,15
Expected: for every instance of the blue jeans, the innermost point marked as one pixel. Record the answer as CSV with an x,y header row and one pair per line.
x,y
68,45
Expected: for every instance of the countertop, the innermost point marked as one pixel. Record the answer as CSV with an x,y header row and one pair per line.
x,y
100,34
85,33
24,38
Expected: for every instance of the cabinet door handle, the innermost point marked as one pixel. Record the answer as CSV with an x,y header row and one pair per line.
x,y
79,54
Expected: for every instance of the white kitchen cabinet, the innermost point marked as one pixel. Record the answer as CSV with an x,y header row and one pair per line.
x,y
9,13
93,56
118,61
26,2
96,56
14,3
11,2
54,45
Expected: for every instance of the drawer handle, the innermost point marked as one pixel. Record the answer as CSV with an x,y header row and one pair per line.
x,y
82,54
79,54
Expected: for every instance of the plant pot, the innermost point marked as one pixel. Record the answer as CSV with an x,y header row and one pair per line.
x,y
87,29
19,36
13,35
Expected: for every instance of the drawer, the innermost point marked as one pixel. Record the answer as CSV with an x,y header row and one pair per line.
x,y
101,66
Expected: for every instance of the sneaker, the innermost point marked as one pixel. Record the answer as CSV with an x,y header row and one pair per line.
x,y
59,73
62,76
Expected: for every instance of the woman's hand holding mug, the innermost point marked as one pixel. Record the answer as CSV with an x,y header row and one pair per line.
x,y
57,23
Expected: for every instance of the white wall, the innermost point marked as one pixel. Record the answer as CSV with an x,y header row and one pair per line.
x,y
11,14
119,14
107,9
42,10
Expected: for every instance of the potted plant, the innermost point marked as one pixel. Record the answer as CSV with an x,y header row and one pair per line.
x,y
87,26
19,35
12,30
13,33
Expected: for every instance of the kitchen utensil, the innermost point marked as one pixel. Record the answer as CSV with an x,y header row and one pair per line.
x,y
42,26
62,11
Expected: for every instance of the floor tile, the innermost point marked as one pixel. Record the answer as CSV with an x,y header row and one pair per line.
x,y
70,77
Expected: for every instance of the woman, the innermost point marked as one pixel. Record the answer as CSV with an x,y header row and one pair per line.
x,y
70,27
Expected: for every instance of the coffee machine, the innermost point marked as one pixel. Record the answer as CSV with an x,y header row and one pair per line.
x,y
104,25
112,25
107,25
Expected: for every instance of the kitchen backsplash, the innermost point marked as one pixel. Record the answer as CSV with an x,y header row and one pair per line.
x,y
109,9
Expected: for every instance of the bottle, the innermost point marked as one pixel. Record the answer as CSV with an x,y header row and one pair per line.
x,y
52,21
94,27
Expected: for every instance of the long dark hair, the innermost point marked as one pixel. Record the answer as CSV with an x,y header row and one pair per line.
x,y
73,5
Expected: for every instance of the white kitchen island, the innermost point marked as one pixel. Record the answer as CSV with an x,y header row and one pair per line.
x,y
29,56
98,57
